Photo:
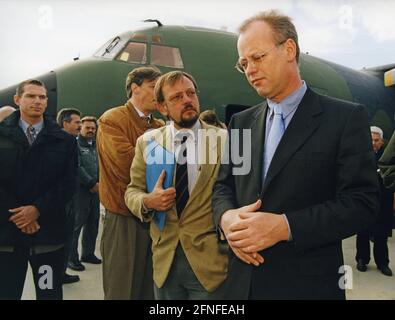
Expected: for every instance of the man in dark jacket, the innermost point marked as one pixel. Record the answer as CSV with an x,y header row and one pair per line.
x,y
87,198
38,167
382,228
310,181
69,119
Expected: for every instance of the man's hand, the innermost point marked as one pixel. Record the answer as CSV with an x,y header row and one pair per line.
x,y
31,228
257,231
160,199
23,216
232,217
95,188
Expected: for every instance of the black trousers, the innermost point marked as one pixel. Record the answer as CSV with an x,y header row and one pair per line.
x,y
47,273
380,249
87,216
70,221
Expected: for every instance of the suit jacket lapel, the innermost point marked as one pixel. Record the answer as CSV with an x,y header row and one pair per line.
x,y
304,122
257,143
205,169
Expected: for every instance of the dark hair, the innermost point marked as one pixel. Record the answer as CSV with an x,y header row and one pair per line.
x,y
281,25
210,117
89,119
170,78
21,87
138,76
65,115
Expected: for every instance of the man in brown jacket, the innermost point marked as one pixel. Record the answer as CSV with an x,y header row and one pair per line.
x,y
125,244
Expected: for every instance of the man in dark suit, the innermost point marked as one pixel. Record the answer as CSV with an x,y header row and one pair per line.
x,y
69,119
312,181
38,164
382,228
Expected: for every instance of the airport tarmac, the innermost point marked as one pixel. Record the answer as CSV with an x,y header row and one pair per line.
x,y
370,285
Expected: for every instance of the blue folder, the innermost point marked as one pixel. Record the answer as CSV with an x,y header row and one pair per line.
x,y
157,160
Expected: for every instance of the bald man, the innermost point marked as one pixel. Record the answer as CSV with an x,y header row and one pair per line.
x,y
5,112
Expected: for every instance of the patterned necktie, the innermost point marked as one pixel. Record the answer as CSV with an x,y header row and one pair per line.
x,y
147,119
182,193
31,134
276,132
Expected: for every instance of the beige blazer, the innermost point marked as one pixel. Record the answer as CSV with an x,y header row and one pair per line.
x,y
195,229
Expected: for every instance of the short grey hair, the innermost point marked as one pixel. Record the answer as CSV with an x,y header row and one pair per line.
x,y
281,25
374,129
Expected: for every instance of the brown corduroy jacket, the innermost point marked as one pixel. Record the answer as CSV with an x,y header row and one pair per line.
x,y
118,131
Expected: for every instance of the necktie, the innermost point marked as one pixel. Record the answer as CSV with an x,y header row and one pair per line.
x,y
147,119
182,193
276,132
31,134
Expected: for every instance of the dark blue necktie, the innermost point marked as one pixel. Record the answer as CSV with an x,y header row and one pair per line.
x,y
182,193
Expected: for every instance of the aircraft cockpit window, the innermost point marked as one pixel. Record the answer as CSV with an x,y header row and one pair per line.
x,y
134,52
166,57
111,48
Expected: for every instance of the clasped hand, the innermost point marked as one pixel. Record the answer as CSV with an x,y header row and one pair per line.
x,y
249,231
25,218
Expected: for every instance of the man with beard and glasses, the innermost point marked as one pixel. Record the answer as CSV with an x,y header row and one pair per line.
x,y
188,261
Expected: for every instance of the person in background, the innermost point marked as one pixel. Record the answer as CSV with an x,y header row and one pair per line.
x,y
382,228
125,243
210,117
87,198
69,119
5,111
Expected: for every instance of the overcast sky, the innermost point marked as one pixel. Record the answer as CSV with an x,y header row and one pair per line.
x,y
37,35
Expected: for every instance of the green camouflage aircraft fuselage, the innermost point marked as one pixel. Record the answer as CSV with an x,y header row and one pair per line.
x,y
96,84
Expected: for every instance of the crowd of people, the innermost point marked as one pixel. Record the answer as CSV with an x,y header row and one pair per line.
x,y
192,226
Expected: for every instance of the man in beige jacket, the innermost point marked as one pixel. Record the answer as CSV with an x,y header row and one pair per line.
x,y
187,260
125,246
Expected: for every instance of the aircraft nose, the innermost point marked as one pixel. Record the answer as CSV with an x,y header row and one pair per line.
x,y
50,81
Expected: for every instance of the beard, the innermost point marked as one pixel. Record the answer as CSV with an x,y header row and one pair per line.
x,y
187,123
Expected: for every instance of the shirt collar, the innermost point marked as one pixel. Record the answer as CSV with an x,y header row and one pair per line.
x,y
24,125
141,114
290,103
192,132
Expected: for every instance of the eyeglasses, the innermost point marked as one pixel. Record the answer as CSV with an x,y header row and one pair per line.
x,y
255,59
180,95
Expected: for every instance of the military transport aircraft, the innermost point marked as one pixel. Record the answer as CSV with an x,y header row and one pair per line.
x,y
96,84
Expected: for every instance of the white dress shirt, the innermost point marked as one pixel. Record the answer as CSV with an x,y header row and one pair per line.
x,y
192,145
